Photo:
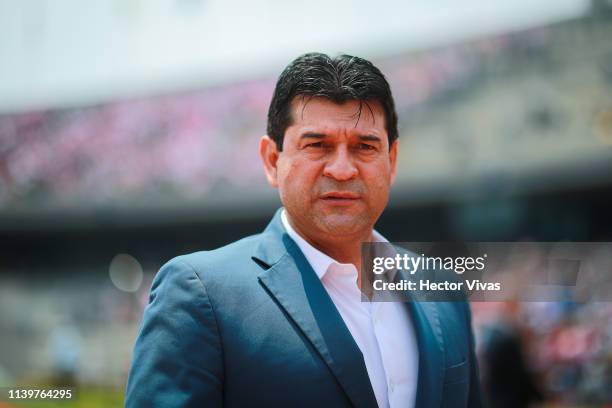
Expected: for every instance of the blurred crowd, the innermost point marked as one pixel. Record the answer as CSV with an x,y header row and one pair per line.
x,y
558,352
189,144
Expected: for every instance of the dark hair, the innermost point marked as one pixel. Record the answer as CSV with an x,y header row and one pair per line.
x,y
339,79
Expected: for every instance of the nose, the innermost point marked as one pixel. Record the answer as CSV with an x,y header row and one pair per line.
x,y
340,166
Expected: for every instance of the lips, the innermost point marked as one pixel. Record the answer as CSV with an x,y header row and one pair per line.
x,y
340,196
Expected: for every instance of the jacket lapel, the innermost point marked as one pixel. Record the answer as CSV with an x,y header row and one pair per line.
x,y
291,281
426,321
431,365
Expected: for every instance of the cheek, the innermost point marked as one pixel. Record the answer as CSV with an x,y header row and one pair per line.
x,y
296,179
287,173
378,182
306,171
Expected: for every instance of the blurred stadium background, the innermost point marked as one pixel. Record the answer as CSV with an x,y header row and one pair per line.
x,y
128,134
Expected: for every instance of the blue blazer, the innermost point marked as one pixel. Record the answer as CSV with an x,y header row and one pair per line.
x,y
251,325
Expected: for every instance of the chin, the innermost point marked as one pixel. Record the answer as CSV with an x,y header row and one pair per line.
x,y
342,225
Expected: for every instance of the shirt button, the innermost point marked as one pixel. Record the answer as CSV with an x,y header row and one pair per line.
x,y
391,385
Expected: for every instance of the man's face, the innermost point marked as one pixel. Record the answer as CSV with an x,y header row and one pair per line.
x,y
335,170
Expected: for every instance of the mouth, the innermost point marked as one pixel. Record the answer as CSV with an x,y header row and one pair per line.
x,y
340,197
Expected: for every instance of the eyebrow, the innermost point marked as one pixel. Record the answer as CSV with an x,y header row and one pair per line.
x,y
310,135
319,136
369,138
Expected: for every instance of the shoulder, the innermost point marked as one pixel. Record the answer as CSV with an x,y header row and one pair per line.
x,y
234,252
212,269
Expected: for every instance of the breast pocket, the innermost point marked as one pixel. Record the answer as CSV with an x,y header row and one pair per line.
x,y
457,373
456,385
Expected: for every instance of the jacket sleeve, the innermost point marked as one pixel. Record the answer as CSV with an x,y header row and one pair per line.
x,y
177,359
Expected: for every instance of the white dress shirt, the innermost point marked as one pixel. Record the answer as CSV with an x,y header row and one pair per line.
x,y
383,331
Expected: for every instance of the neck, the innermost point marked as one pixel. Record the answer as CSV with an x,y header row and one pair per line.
x,y
344,249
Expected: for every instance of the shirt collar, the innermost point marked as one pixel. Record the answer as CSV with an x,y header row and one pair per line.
x,y
319,261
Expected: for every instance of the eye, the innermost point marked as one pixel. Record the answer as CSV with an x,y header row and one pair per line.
x,y
315,144
365,146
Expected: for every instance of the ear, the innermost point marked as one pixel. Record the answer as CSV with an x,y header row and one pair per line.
x,y
269,156
393,159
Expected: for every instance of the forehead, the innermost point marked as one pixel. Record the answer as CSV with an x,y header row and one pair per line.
x,y
322,113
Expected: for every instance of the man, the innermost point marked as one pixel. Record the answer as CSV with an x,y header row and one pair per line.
x,y
276,319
